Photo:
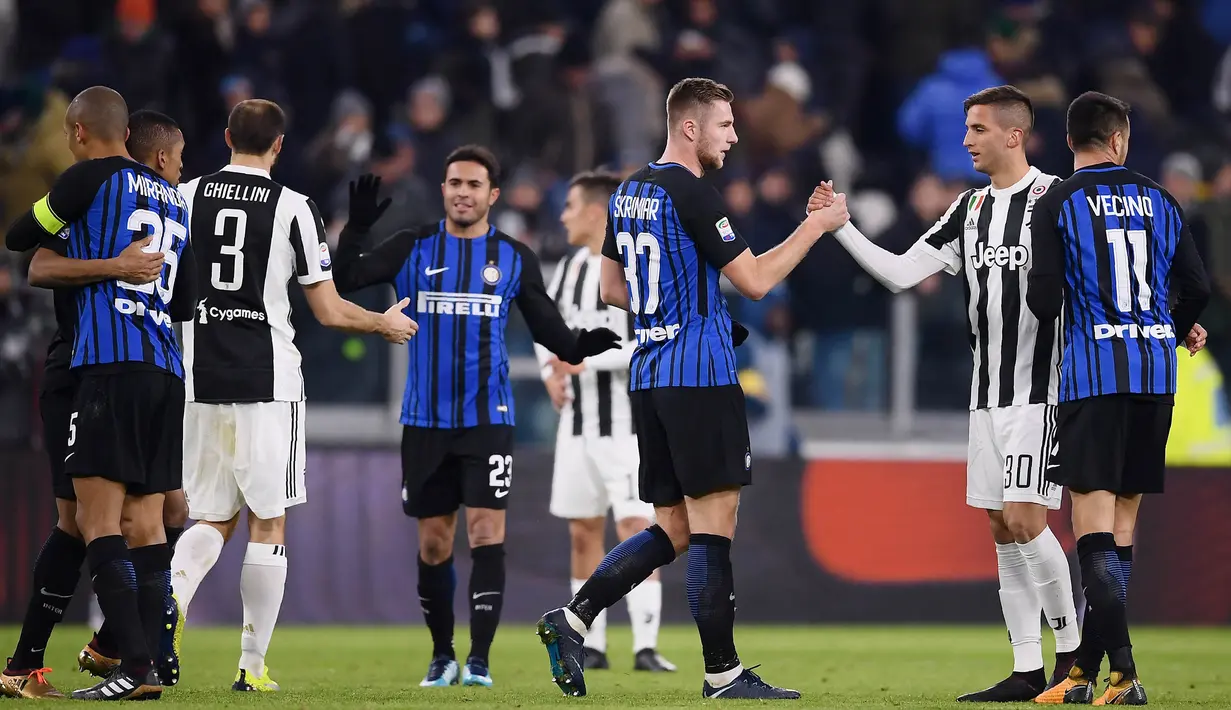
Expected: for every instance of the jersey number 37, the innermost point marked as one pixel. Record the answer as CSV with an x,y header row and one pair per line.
x,y
631,249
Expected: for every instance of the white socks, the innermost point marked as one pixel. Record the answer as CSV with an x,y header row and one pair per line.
x,y
195,554
1019,600
261,584
1049,568
596,637
645,606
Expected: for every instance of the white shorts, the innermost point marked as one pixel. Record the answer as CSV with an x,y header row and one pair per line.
x,y
249,454
1008,454
592,474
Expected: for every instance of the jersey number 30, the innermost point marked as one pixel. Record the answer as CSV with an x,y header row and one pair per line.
x,y
163,235
630,250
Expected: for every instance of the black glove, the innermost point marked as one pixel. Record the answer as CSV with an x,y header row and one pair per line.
x,y
364,210
738,333
593,342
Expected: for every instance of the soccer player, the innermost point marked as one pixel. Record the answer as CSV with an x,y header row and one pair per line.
x,y
58,567
462,276
596,446
1013,389
668,243
1112,249
244,421
125,434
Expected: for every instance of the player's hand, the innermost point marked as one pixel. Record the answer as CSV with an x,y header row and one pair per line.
x,y
831,216
561,368
738,333
365,211
822,196
593,342
1195,342
558,390
135,265
396,326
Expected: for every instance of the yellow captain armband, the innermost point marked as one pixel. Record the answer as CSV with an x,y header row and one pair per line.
x,y
46,217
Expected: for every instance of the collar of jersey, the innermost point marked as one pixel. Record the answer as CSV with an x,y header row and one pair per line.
x,y
1100,168
245,170
1031,175
491,229
659,166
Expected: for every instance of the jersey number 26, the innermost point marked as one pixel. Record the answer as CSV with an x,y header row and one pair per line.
x,y
630,250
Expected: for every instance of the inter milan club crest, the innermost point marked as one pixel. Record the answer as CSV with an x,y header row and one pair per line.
x,y
491,274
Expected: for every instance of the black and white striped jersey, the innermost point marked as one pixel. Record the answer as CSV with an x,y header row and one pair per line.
x,y
987,232
252,236
600,404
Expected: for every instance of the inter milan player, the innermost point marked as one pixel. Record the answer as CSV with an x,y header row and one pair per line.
x,y
125,434
986,233
58,567
596,446
1112,250
669,240
155,140
461,276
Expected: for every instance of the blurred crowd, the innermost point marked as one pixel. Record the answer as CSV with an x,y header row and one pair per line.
x,y
866,93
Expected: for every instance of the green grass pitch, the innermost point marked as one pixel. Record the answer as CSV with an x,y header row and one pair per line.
x,y
833,666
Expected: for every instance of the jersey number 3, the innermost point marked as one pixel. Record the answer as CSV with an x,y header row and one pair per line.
x,y
631,251
234,249
163,235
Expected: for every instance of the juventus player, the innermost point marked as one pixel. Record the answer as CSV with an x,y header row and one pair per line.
x,y
244,422
1014,388
596,458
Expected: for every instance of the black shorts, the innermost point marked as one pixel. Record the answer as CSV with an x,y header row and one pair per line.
x,y
692,440
444,469
56,403
1115,442
128,427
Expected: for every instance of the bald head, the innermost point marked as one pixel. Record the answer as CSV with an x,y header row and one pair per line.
x,y
102,112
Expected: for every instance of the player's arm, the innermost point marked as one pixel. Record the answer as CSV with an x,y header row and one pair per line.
x,y
935,251
69,199
1045,283
356,269
547,326
612,283
184,292
52,268
1190,283
542,354
723,247
616,358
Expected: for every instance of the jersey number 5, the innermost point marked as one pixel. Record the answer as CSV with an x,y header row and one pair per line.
x,y
630,250
162,238
1119,259
233,250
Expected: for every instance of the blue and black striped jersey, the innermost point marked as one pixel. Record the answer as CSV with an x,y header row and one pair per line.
x,y
96,209
460,292
1115,246
671,235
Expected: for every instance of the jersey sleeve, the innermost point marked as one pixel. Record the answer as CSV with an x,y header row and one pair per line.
x,y
944,239
1189,283
358,269
705,218
1045,282
307,233
611,250
68,201
184,295
547,326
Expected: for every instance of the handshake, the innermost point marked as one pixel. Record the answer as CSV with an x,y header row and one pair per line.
x,y
827,209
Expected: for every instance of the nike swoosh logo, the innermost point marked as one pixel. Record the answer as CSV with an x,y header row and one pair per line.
x,y
722,690
69,456
36,650
57,596
433,272
483,594
501,494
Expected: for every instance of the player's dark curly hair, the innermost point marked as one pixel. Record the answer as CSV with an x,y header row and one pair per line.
x,y
596,185
149,132
476,154
1093,118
